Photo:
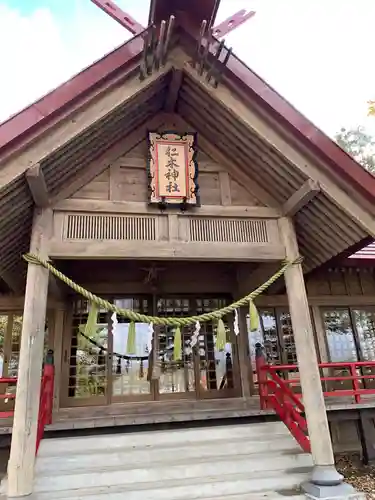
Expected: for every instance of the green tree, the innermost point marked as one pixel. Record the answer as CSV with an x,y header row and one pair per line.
x,y
359,144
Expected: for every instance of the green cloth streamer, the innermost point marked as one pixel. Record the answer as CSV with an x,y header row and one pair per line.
x,y
177,344
254,317
90,328
221,335
130,346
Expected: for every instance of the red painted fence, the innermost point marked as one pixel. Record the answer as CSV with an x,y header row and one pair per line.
x,y
46,397
280,390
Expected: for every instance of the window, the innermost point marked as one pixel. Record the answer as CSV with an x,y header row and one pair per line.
x,y
350,333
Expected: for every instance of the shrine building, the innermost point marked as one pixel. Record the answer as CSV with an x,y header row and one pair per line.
x,y
178,244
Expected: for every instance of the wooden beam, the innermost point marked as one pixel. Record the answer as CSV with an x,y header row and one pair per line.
x,y
104,161
247,282
173,91
244,358
301,198
225,189
135,207
123,18
241,110
25,421
16,303
160,250
37,185
77,123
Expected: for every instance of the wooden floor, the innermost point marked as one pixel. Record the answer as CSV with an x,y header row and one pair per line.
x,y
156,412
169,411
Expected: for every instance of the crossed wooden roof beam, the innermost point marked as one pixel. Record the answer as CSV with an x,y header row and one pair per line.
x,y
132,25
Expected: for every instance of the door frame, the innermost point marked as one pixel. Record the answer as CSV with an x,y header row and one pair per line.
x,y
108,398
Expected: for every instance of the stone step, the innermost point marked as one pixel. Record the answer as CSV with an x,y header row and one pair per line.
x,y
169,471
155,439
264,495
217,487
47,464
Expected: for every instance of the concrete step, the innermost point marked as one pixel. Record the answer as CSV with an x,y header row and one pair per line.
x,y
229,462
47,464
170,471
264,495
217,487
154,439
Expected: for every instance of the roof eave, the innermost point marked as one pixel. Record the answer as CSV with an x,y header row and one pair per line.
x,y
27,123
301,127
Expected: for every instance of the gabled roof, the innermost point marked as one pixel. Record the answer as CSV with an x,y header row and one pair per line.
x,y
25,125
201,108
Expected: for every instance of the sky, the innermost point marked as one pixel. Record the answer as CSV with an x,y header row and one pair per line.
x,y
317,53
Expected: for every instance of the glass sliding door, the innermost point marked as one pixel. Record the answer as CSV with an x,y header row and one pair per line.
x,y
351,337
130,377
98,370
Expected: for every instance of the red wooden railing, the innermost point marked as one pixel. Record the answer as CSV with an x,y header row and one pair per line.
x,y
283,394
46,397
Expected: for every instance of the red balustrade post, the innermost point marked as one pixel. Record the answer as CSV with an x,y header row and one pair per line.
x,y
355,382
260,363
49,374
46,397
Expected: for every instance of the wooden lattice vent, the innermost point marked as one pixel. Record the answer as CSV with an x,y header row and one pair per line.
x,y
209,229
110,227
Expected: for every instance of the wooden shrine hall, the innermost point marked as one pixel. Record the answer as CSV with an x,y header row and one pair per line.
x,y
170,180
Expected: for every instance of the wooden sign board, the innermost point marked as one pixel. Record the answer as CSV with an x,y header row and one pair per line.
x,y
172,169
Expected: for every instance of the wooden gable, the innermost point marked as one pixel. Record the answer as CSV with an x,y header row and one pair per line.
x,y
126,180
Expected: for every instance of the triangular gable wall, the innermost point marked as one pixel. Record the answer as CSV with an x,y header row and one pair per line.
x,y
126,180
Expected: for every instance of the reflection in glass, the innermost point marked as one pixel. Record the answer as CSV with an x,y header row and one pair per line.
x,y
3,331
215,367
265,335
340,335
14,354
287,338
364,320
130,376
341,343
89,365
275,333
88,356
175,376
365,325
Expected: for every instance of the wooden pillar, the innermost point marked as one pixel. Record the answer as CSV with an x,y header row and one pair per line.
x,y
57,346
321,336
246,372
25,422
313,399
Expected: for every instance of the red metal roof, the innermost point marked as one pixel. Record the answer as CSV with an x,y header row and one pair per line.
x,y
367,252
34,116
28,121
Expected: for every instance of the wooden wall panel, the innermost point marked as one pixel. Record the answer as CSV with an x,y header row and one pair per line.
x,y
346,281
126,180
209,188
240,196
97,189
132,184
